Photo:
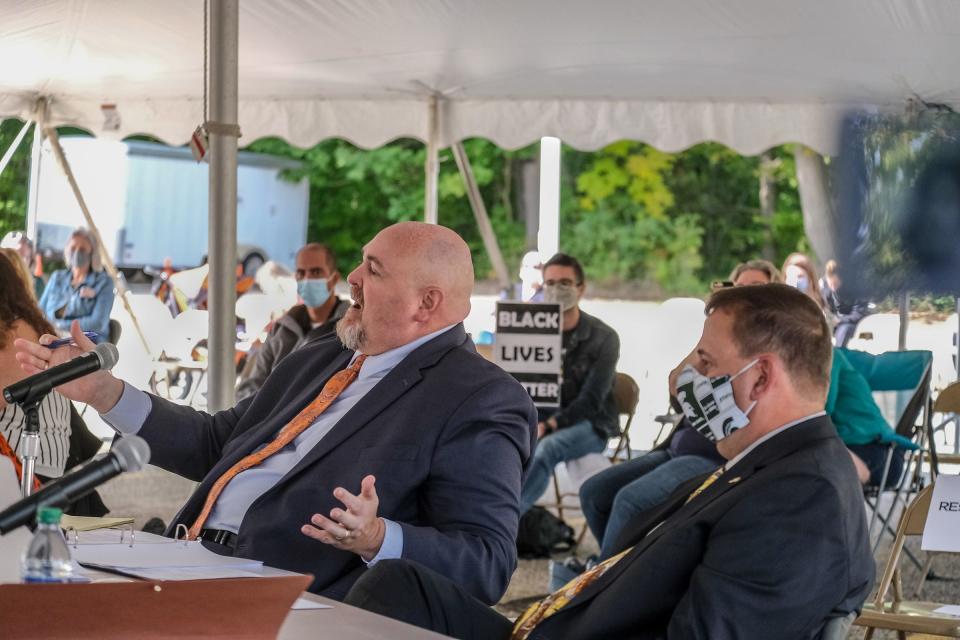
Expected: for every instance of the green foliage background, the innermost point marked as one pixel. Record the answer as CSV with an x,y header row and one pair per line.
x,y
653,222
666,223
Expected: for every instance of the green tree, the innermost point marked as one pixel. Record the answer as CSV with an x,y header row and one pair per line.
x,y
15,178
678,220
355,192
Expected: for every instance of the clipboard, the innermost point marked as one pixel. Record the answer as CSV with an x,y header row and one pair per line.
x,y
244,608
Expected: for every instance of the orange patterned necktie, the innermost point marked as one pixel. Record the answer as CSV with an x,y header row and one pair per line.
x,y
334,387
540,611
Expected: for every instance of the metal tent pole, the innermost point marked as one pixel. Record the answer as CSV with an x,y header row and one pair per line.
x,y
904,320
548,237
33,190
431,165
12,149
223,37
480,213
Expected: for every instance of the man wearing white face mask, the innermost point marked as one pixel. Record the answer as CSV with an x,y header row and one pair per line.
x,y
587,417
316,318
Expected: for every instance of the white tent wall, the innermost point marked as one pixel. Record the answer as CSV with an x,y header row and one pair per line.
x,y
748,128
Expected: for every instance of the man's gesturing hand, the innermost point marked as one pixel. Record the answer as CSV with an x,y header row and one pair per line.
x,y
356,529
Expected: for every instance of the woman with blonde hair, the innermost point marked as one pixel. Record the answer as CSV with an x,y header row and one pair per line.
x,y
21,318
82,291
754,272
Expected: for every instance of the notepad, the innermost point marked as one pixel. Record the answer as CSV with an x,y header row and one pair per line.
x,y
84,523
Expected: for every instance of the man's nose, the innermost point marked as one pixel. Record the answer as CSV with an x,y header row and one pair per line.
x,y
354,277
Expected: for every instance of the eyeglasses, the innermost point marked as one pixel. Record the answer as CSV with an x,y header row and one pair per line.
x,y
566,282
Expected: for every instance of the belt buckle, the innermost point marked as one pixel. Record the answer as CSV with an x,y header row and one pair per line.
x,y
216,536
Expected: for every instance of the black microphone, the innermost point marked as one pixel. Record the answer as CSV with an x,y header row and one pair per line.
x,y
130,453
34,388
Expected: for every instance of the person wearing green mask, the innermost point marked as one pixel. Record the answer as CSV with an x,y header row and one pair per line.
x,y
316,275
587,416
82,291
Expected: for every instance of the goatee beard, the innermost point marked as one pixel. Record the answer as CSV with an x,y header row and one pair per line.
x,y
351,334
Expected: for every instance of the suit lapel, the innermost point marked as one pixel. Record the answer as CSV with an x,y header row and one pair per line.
x,y
676,512
396,383
266,430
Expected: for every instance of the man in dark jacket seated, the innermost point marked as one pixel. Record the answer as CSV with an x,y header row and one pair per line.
x,y
772,544
587,417
316,318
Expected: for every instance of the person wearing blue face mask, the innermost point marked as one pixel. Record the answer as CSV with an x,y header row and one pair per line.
x,y
315,319
800,273
82,291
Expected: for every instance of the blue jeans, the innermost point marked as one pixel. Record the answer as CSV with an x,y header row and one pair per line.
x,y
570,443
611,498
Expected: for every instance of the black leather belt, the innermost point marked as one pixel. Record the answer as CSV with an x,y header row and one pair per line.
x,y
219,536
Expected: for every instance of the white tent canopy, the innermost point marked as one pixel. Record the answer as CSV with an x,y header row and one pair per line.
x,y
748,73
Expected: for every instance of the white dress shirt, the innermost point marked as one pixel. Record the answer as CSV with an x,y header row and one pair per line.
x,y
756,443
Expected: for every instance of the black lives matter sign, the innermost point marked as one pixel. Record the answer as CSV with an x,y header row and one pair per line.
x,y
529,346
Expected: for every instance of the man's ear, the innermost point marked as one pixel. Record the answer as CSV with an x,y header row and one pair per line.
x,y
333,280
768,369
430,300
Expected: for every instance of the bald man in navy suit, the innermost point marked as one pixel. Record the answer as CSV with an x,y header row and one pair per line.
x,y
421,456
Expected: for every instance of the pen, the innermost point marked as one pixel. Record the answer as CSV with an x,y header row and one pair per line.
x,y
65,341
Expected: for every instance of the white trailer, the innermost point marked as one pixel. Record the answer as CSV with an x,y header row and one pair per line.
x,y
150,202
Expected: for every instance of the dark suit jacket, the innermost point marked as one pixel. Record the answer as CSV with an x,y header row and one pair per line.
x,y
447,434
773,548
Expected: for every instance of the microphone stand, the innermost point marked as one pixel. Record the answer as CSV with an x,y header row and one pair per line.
x,y
30,444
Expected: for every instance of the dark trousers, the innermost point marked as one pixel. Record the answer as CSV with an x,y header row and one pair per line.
x,y
414,594
874,455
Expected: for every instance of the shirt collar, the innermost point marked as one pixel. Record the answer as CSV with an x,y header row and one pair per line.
x,y
88,279
756,443
381,364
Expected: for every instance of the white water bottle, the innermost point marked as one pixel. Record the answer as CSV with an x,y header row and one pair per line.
x,y
47,558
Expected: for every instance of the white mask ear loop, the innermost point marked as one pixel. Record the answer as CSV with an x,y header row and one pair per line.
x,y
746,368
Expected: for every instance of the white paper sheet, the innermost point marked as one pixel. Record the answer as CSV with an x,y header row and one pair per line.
x,y
950,610
943,518
112,536
193,573
156,556
304,603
